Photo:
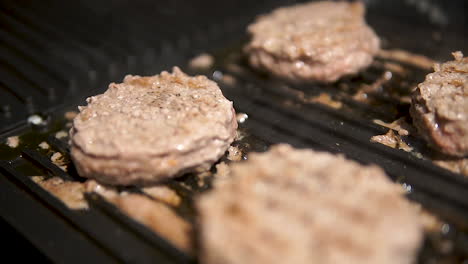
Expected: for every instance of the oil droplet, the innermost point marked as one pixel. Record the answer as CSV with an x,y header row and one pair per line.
x,y
407,188
445,229
241,117
35,120
180,147
217,75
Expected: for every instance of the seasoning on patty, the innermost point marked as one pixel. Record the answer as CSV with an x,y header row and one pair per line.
x,y
148,129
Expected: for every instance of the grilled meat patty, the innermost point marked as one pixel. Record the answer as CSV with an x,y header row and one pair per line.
x,y
318,41
440,107
307,207
148,129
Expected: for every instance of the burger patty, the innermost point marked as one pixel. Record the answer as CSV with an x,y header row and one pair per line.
x,y
440,107
306,207
148,129
318,41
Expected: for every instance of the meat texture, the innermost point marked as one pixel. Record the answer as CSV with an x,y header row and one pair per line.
x,y
318,41
148,129
440,107
307,207
159,218
70,193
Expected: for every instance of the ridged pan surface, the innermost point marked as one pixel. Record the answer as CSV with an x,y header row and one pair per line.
x,y
50,64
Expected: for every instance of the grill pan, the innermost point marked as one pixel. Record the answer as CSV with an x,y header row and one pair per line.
x,y
53,55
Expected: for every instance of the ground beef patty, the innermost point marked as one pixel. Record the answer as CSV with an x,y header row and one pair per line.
x,y
440,107
307,207
319,41
148,129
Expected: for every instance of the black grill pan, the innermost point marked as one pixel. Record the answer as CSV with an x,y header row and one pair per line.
x,y
53,55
